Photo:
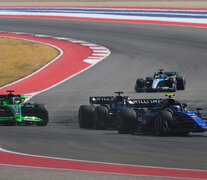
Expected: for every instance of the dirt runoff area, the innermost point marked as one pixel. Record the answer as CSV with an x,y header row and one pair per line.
x,y
146,3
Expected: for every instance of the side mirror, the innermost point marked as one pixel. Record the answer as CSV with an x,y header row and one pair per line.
x,y
184,105
199,108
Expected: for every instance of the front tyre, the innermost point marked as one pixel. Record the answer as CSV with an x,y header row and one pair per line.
x,y
140,83
126,121
181,83
41,112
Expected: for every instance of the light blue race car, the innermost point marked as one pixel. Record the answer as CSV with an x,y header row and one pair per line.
x,y
161,81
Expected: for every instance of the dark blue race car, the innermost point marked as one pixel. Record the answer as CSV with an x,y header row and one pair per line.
x,y
103,111
167,117
161,81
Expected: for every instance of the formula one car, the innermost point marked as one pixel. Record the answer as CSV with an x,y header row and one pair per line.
x,y
102,112
13,111
167,117
161,81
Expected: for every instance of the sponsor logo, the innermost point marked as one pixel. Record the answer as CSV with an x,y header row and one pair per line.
x,y
146,101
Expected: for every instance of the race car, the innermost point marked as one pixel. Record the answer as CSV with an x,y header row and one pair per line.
x,y
13,111
102,111
167,117
161,81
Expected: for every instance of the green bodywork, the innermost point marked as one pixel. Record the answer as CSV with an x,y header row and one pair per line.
x,y
13,104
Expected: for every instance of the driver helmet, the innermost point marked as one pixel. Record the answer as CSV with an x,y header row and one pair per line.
x,y
17,100
162,76
175,107
11,100
119,97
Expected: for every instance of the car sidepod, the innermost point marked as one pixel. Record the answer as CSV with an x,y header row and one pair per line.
x,y
155,83
160,85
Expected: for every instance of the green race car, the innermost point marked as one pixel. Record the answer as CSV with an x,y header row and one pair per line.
x,y
13,111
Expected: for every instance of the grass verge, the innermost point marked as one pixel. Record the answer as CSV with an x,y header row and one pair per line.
x,y
19,58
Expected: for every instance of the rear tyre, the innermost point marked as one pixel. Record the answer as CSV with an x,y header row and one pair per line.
x,y
163,123
41,112
10,123
101,118
6,112
140,83
126,121
86,116
181,83
183,134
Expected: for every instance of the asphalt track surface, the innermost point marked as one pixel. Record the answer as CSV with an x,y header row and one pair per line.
x,y
137,50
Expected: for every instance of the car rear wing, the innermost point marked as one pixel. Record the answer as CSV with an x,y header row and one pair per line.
x,y
100,99
171,73
145,102
133,102
6,96
168,73
3,96
9,96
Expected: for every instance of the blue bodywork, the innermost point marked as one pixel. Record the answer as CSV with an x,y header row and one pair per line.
x,y
117,103
182,121
198,120
113,104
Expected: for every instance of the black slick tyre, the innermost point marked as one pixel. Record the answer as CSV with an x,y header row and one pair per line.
x,y
181,83
9,123
163,123
7,113
101,117
183,134
41,112
86,116
139,87
126,121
